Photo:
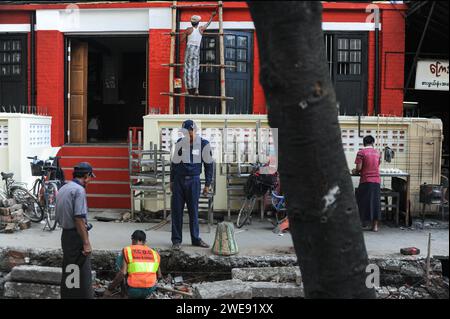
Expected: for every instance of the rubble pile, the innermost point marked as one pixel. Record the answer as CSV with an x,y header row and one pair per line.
x,y
141,217
12,217
438,289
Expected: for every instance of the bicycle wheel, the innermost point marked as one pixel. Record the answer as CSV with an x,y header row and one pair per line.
x,y
245,211
38,191
50,206
30,204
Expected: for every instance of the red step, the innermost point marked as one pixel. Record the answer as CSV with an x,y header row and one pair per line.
x,y
112,188
103,174
109,202
96,162
110,151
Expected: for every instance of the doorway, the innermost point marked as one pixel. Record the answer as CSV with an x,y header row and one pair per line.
x,y
106,82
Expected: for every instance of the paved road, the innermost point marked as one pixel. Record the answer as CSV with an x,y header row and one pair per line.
x,y
256,239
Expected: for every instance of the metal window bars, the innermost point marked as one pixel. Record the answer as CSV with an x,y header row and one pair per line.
x,y
149,172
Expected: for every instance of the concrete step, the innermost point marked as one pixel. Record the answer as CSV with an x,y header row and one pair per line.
x,y
23,290
38,274
261,289
225,289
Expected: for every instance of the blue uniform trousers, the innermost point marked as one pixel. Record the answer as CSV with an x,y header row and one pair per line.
x,y
186,190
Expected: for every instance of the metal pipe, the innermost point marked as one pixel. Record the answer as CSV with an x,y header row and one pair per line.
x,y
376,95
177,61
32,59
359,126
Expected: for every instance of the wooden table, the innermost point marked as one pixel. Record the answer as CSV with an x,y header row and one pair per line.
x,y
407,197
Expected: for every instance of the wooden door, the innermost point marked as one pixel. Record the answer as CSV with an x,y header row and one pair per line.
x,y
78,92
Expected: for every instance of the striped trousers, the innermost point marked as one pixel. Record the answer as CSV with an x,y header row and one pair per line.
x,y
192,66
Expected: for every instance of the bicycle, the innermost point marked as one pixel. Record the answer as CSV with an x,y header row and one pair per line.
x,y
257,186
46,187
30,205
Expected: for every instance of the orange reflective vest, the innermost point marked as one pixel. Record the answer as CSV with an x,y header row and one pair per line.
x,y
143,264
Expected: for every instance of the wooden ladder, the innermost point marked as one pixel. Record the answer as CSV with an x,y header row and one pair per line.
x,y
172,65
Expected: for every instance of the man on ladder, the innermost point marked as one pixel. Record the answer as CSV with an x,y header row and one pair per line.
x,y
192,54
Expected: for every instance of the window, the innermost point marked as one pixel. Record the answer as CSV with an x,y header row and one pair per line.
x,y
10,58
349,57
236,53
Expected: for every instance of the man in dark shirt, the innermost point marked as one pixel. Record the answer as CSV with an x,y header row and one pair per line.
x,y
191,152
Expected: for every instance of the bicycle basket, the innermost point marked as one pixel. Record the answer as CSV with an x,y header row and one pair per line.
x,y
37,168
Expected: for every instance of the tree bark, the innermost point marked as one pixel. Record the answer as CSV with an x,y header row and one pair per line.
x,y
323,215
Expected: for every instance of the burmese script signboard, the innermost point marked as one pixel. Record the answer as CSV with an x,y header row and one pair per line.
x,y
432,75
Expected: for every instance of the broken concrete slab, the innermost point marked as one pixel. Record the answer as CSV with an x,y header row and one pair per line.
x,y
276,290
4,211
10,228
31,291
3,280
36,274
412,270
39,274
15,207
108,216
9,202
225,289
24,224
273,274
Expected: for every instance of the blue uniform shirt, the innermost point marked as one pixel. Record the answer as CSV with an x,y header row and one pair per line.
x,y
193,167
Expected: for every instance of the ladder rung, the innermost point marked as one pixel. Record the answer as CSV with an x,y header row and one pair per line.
x,y
205,65
198,96
197,5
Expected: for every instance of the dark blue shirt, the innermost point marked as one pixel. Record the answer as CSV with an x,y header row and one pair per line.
x,y
193,166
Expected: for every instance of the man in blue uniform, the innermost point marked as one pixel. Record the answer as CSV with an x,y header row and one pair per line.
x,y
191,152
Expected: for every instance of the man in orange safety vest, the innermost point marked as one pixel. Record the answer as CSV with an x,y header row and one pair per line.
x,y
139,264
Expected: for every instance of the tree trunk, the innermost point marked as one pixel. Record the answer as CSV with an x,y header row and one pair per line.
x,y
323,215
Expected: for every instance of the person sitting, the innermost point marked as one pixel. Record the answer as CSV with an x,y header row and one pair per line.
x,y
140,265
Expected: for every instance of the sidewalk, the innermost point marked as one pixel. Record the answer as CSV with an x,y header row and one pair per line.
x,y
255,240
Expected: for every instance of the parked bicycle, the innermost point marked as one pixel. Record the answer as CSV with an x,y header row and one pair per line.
x,y
30,205
45,188
257,185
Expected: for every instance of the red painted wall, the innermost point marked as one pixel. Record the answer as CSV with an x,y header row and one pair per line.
x,y
50,79
50,60
158,75
392,62
14,17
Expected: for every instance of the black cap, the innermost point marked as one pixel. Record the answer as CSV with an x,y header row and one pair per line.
x,y
85,168
188,125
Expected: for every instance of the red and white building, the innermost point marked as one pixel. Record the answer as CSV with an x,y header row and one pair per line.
x,y
80,60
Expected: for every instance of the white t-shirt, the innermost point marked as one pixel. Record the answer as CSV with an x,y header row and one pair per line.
x,y
195,38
